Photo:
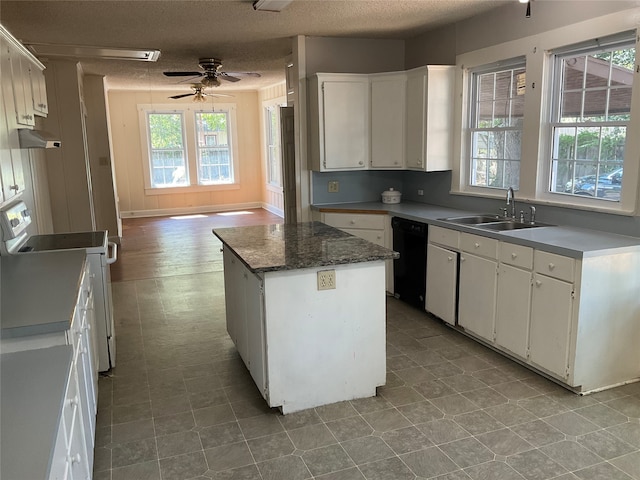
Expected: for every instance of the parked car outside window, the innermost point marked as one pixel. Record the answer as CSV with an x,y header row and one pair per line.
x,y
606,186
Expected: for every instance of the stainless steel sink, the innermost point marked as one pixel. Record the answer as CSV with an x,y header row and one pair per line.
x,y
473,219
507,225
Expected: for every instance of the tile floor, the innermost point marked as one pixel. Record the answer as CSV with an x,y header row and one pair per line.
x,y
181,405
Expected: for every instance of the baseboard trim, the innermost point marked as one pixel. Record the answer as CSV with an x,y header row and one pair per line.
x,y
271,209
165,212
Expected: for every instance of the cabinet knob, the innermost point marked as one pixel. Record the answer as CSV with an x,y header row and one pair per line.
x,y
449,259
74,401
75,458
360,162
551,266
477,245
538,283
462,259
352,222
514,255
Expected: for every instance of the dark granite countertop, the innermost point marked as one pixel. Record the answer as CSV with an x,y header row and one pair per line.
x,y
268,248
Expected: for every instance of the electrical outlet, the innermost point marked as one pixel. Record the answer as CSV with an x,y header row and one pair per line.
x,y
326,280
420,192
333,187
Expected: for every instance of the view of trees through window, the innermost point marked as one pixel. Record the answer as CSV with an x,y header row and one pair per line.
x,y
168,162
214,152
592,109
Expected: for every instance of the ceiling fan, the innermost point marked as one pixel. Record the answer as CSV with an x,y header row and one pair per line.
x,y
199,94
211,73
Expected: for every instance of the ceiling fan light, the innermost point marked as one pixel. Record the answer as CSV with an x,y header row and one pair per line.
x,y
199,97
210,82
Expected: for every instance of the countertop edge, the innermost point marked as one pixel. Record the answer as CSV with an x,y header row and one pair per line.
x,y
419,212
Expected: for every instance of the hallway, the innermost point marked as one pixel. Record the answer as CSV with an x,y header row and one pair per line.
x,y
180,404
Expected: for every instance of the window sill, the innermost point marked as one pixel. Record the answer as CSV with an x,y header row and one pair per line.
x,y
599,206
190,189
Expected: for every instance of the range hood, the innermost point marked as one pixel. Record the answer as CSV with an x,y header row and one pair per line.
x,y
37,139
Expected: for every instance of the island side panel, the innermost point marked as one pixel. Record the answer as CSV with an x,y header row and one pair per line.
x,y
324,346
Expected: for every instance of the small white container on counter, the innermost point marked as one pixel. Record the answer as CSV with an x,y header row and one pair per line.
x,y
391,196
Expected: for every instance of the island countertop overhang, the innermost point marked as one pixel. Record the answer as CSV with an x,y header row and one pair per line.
x,y
277,247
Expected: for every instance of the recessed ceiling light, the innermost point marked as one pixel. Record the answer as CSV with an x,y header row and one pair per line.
x,y
50,50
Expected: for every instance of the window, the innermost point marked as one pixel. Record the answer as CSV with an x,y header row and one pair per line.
x,y
591,109
214,151
497,96
166,148
189,148
274,156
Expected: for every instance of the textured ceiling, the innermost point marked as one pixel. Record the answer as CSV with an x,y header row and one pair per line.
x,y
245,40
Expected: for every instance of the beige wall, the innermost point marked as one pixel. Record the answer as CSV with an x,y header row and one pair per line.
x,y
128,158
272,197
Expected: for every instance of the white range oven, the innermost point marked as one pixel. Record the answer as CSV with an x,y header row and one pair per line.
x,y
100,254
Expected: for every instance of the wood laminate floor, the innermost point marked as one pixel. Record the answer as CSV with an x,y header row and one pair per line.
x,y
181,405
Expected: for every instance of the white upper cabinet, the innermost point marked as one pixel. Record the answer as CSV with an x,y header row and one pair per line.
x,y
388,93
38,91
383,121
339,122
429,118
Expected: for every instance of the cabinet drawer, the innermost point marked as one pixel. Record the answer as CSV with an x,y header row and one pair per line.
x,y
483,246
71,403
355,220
373,236
516,255
444,236
554,265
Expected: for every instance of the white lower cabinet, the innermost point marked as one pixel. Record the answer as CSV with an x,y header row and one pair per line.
x,y
442,283
477,304
512,309
551,316
245,315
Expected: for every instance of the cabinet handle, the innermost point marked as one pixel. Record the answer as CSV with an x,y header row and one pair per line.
x,y
538,283
75,458
477,245
449,259
462,259
74,401
514,255
551,266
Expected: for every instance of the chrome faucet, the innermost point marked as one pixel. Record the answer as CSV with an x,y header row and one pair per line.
x,y
511,200
532,217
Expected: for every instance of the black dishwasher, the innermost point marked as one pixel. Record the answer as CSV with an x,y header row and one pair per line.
x,y
410,270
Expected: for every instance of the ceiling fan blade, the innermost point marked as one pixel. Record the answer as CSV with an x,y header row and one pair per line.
x,y
217,95
175,97
227,77
182,74
242,74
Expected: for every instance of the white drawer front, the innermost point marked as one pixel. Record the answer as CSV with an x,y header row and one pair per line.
x,y
355,220
516,255
553,265
444,236
374,236
483,246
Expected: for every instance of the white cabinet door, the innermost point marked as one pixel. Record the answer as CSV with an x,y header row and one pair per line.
x,y
551,310
513,309
388,97
345,125
22,89
477,303
256,346
231,292
429,131
38,91
442,280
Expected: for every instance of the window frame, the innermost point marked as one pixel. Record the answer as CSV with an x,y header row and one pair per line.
x,y
150,148
190,137
505,65
556,62
267,107
536,141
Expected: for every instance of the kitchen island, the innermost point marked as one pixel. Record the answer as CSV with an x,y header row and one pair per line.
x,y
305,306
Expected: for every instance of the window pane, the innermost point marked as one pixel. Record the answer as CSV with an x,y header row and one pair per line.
x,y
595,96
168,159
274,157
496,127
214,151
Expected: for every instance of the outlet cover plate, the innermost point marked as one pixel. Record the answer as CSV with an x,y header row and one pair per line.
x,y
326,279
333,186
